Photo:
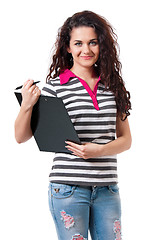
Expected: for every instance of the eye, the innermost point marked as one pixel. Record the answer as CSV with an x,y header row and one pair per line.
x,y
93,43
78,44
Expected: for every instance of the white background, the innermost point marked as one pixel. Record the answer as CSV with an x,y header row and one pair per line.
x,y
28,30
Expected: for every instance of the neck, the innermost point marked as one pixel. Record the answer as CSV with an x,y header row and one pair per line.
x,y
84,73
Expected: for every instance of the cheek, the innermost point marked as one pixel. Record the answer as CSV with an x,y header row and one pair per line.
x,y
97,51
76,53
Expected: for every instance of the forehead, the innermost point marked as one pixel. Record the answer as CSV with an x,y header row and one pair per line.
x,y
83,33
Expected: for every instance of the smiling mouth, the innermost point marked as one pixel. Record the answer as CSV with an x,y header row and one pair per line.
x,y
86,57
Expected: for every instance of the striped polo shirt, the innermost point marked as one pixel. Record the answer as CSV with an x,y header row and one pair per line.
x,y
93,114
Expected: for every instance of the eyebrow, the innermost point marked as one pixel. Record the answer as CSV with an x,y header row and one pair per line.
x,y
89,40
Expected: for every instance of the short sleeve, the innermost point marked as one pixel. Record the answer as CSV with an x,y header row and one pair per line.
x,y
49,89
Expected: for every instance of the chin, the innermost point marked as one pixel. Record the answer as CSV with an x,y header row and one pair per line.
x,y
87,65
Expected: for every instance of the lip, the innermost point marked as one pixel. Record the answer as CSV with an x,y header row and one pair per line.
x,y
86,57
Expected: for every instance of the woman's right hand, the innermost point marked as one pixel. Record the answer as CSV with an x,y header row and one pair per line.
x,y
30,94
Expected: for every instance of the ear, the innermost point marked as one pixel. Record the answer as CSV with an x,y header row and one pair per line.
x,y
68,50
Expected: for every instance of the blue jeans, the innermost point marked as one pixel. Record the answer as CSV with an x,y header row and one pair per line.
x,y
77,209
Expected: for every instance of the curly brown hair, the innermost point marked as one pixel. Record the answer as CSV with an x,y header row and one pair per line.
x,y
108,65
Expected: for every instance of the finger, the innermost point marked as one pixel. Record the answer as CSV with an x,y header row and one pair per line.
x,y
25,83
32,88
39,92
75,150
35,89
29,83
77,154
74,145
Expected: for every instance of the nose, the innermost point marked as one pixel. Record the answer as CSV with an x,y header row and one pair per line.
x,y
86,49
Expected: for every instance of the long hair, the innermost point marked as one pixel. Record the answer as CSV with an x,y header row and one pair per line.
x,y
108,65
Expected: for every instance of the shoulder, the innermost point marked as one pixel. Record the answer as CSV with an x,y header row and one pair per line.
x,y
49,89
104,90
53,81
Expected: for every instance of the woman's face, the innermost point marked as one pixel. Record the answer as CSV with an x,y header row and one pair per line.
x,y
84,47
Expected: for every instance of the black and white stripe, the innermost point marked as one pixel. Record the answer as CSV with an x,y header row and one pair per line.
x,y
97,126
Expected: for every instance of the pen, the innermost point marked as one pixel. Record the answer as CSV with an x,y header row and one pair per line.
x,y
22,85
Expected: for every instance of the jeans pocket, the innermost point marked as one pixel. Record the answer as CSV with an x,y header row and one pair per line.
x,y
114,189
61,191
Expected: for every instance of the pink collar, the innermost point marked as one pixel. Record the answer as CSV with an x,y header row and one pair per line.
x,y
66,75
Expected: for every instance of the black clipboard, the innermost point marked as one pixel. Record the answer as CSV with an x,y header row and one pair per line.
x,y
51,124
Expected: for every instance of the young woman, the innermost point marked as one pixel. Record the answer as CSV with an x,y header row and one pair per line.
x,y
86,73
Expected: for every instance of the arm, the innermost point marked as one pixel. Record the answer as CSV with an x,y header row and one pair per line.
x,y
92,150
123,141
30,95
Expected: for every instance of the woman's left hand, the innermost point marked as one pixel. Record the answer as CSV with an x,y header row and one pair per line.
x,y
86,150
